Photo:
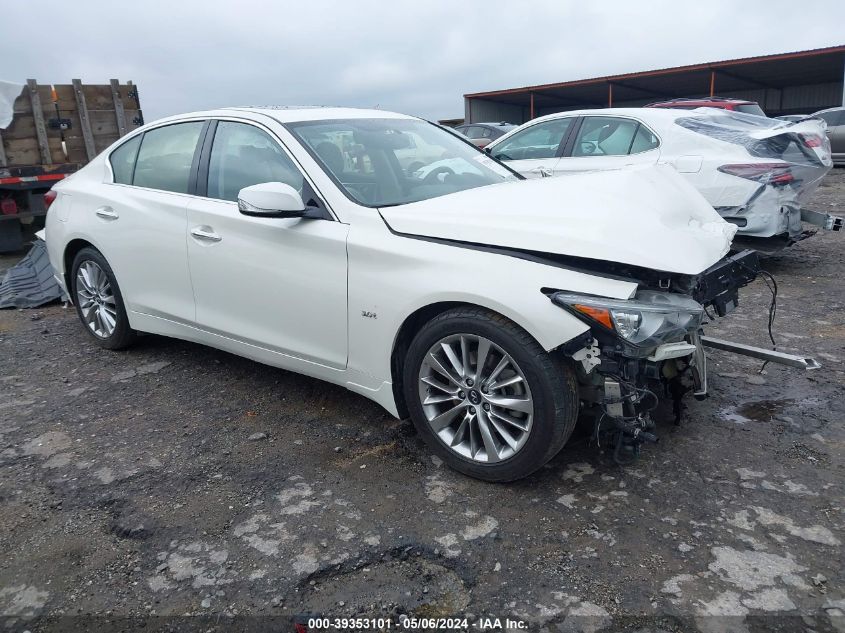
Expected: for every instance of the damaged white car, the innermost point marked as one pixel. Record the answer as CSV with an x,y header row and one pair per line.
x,y
488,308
756,172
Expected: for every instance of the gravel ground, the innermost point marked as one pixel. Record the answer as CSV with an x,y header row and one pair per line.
x,y
177,487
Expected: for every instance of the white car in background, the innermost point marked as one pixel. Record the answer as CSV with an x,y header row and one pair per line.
x,y
755,172
486,307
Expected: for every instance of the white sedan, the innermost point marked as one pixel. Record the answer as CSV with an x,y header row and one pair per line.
x,y
485,307
756,172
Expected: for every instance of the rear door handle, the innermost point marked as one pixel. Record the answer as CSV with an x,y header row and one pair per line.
x,y
107,213
205,234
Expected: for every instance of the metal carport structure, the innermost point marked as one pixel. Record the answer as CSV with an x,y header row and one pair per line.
x,y
786,83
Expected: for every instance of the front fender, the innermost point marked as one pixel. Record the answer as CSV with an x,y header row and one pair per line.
x,y
393,277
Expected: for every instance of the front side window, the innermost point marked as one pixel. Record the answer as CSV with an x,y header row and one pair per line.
x,y
243,155
605,136
165,157
538,141
388,162
123,160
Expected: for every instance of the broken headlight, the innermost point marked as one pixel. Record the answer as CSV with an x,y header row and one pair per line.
x,y
649,319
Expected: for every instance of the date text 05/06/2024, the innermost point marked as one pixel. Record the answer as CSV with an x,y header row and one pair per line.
x,y
413,623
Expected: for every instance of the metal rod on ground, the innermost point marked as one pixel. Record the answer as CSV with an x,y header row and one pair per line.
x,y
761,353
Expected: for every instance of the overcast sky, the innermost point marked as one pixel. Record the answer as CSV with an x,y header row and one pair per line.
x,y
415,57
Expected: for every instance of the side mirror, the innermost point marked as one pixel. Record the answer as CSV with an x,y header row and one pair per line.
x,y
271,200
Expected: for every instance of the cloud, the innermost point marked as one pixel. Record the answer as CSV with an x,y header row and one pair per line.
x,y
414,57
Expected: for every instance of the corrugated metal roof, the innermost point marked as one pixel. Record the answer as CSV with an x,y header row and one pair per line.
x,y
758,63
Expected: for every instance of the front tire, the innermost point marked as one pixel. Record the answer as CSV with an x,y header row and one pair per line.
x,y
485,397
98,300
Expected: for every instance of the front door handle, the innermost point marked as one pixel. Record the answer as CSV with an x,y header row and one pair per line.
x,y
205,234
107,213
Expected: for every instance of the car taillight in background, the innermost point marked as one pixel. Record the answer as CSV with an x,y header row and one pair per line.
x,y
8,206
767,173
811,140
49,197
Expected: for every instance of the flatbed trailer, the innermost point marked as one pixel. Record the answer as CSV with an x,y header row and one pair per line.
x,y
54,131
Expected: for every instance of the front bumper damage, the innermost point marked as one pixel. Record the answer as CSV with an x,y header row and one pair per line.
x,y
621,384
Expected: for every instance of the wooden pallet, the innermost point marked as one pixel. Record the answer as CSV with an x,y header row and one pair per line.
x,y
68,123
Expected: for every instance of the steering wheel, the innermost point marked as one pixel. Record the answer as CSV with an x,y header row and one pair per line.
x,y
588,147
434,173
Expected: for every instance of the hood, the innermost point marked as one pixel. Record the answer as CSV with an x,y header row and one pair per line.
x,y
646,216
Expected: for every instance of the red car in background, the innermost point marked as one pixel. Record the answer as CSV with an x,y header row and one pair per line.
x,y
736,105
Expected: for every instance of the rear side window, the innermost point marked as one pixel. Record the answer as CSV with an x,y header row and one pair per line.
x,y
605,136
243,155
644,140
123,160
164,160
750,108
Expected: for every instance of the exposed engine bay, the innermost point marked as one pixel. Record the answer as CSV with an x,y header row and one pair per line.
x,y
625,375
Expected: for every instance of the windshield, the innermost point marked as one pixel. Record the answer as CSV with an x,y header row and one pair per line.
x,y
387,162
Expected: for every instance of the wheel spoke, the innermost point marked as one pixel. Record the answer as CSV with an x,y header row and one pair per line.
x,y
453,359
499,368
507,382
523,405
519,424
107,320
487,437
462,430
503,433
465,356
481,358
431,382
84,277
440,399
441,369
446,418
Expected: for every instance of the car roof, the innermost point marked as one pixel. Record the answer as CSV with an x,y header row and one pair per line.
x,y
294,114
667,114
836,109
689,100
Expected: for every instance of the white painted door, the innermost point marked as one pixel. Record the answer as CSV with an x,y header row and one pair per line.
x,y
140,220
278,284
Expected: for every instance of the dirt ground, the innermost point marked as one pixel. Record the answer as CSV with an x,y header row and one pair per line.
x,y
176,487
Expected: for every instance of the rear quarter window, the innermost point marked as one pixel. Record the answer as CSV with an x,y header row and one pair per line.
x,y
123,160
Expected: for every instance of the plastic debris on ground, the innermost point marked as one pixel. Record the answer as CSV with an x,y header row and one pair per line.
x,y
30,282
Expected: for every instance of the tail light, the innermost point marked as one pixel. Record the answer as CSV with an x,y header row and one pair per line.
x,y
49,197
811,140
766,173
8,206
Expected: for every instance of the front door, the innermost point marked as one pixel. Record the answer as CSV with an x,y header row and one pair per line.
x,y
278,284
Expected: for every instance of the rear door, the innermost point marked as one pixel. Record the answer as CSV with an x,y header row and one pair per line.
x,y
273,283
535,150
140,221
605,142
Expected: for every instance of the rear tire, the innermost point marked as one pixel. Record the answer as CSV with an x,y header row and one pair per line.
x,y
493,426
98,300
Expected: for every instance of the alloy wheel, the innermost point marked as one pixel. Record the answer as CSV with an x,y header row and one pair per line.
x,y
475,398
96,299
